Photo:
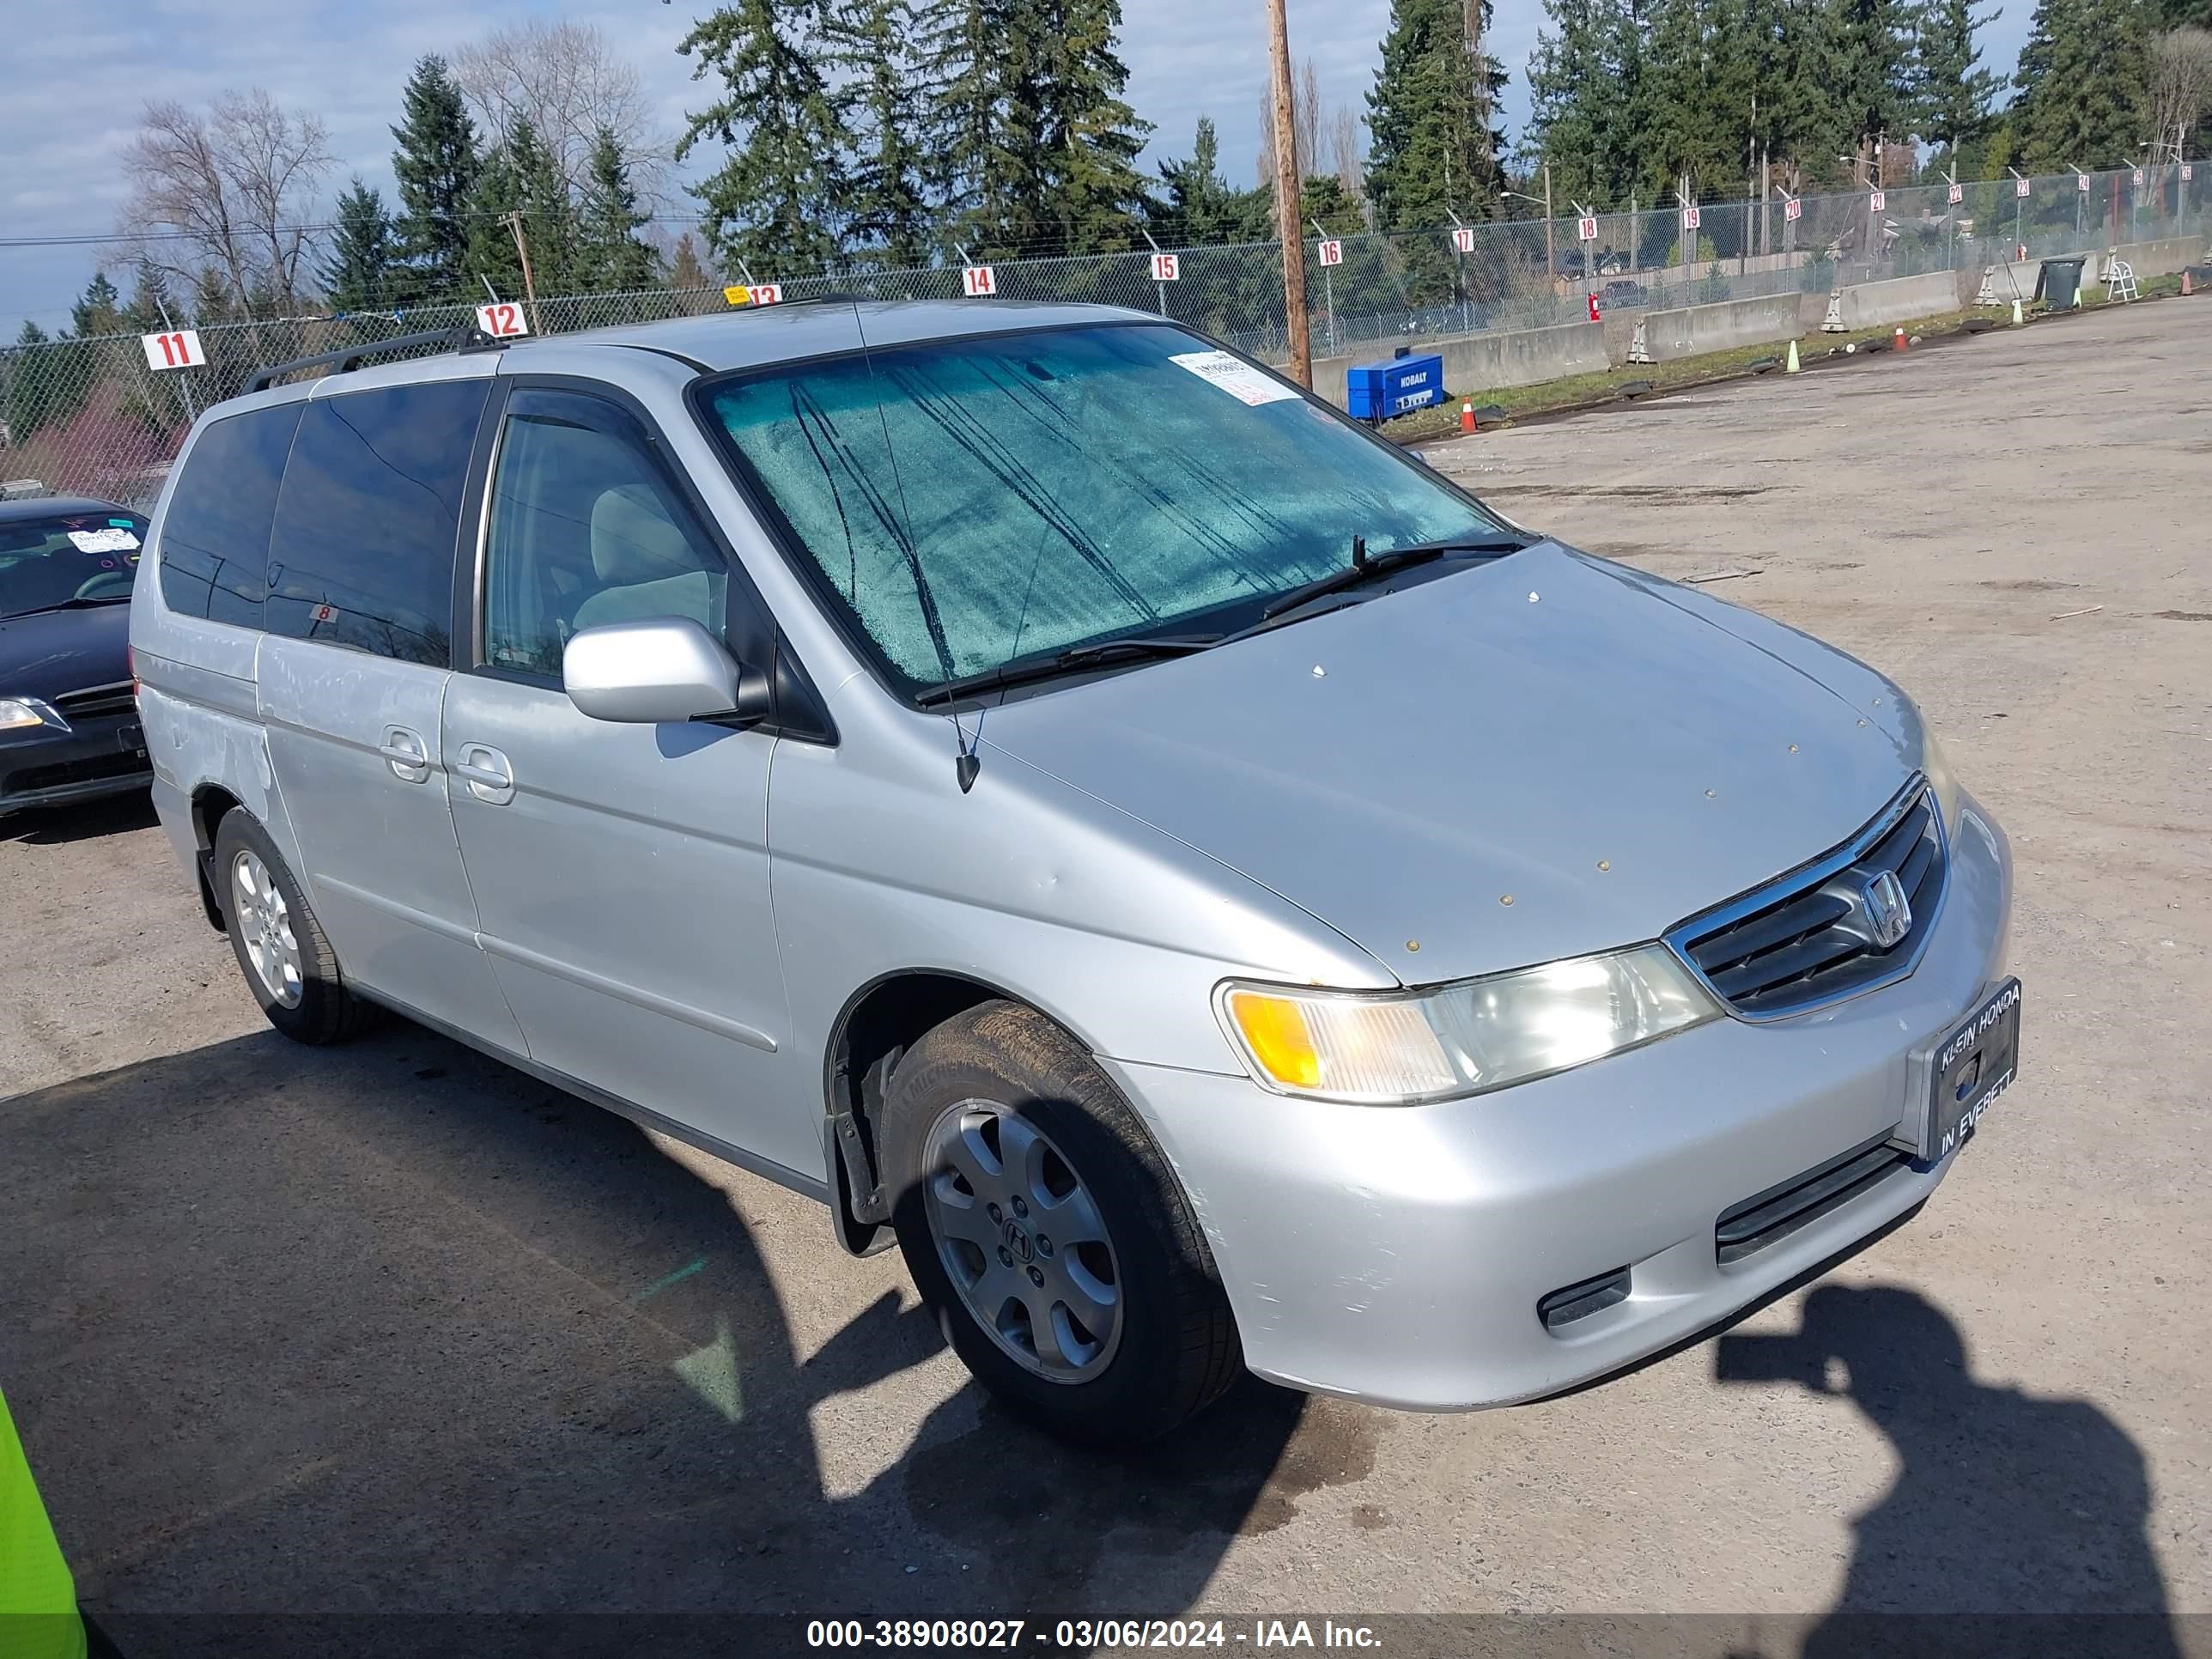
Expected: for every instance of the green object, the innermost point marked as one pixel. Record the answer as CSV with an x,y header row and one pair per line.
x,y
37,1599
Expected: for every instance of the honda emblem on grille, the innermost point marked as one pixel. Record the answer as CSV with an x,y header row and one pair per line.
x,y
1889,912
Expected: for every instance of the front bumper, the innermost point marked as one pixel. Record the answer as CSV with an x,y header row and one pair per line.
x,y
1398,1254
98,754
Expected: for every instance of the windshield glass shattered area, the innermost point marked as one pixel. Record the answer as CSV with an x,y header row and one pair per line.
x,y
85,557
966,502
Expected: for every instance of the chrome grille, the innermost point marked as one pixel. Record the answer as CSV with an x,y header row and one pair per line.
x,y
1811,936
96,699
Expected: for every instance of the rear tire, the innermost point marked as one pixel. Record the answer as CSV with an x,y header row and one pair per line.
x,y
999,1131
288,963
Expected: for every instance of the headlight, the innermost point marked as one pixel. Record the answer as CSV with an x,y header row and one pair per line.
x,y
18,712
1399,1049
1936,766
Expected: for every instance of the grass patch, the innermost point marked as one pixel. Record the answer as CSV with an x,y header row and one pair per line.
x,y
1585,390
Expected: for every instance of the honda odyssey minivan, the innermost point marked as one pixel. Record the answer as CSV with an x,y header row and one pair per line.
x,y
1210,891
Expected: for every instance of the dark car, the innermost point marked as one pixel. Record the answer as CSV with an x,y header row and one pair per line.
x,y
1622,292
69,717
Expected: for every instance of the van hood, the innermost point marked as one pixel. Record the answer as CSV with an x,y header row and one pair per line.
x,y
1535,759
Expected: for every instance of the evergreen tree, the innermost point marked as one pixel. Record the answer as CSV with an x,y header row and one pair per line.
x,y
887,209
609,252
150,305
436,166
2080,84
685,268
1095,197
774,204
364,249
1435,152
1580,108
1955,92
35,395
1201,207
99,309
1036,148
1870,70
522,176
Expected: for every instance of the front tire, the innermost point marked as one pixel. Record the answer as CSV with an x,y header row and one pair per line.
x,y
1046,1230
289,965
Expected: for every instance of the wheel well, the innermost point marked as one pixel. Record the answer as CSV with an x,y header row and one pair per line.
x,y
885,1017
210,802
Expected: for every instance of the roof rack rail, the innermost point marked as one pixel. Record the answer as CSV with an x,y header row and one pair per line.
x,y
466,337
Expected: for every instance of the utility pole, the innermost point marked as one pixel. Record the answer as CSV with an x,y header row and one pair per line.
x,y
1550,261
522,251
1286,197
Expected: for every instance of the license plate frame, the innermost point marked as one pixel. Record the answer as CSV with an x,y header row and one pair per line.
x,y
1966,1069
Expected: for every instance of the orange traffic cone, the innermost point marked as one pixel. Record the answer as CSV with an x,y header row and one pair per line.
x,y
1466,416
1898,344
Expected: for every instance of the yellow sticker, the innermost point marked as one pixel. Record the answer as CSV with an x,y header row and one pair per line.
x,y
740,296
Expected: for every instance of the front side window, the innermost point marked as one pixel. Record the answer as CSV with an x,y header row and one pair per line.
x,y
57,561
584,531
215,535
963,502
362,552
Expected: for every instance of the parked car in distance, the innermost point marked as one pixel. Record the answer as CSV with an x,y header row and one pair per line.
x,y
1622,292
68,724
1212,892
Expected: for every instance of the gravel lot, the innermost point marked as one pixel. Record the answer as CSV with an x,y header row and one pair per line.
x,y
392,1328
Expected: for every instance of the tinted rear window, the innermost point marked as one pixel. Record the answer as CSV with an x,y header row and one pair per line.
x,y
215,541
363,554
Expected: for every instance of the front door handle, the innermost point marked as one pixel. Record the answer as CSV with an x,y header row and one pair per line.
x,y
409,755
487,772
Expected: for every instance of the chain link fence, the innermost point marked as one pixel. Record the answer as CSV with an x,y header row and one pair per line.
x,y
90,417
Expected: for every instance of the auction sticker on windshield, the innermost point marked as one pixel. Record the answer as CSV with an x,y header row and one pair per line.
x,y
109,540
1234,376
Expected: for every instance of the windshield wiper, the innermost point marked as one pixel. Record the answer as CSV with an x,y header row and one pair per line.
x,y
1074,659
71,604
1363,569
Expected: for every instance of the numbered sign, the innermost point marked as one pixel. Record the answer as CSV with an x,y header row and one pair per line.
x,y
2138,178
1586,228
2081,183
1690,218
2188,171
2019,186
1792,209
1463,240
1332,253
755,294
1876,201
978,282
179,349
1957,194
1167,267
502,321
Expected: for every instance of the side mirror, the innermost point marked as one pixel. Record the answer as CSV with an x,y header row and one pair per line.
x,y
661,670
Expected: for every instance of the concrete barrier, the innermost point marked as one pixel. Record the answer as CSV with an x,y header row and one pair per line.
x,y
1689,330
2161,257
1900,299
1490,361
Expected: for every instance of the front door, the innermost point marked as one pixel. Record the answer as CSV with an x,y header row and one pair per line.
x,y
621,872
354,664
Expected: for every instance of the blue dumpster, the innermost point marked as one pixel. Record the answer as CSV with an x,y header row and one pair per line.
x,y
1376,391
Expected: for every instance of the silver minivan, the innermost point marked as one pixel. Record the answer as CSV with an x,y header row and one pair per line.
x,y
1214,894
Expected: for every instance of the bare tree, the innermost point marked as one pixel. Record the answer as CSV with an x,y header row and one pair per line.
x,y
231,192
1346,155
568,80
2180,81
1308,118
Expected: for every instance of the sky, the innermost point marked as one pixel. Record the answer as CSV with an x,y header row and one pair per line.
x,y
80,73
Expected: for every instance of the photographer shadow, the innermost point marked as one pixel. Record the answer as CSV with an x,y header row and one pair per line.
x,y
2015,1523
